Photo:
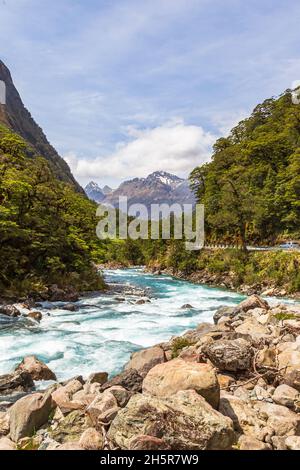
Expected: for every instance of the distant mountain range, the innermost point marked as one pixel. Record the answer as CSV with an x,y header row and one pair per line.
x,y
158,188
95,193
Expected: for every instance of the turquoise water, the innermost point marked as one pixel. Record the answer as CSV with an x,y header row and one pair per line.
x,y
103,333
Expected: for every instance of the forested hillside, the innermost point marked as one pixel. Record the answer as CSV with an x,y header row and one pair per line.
x,y
47,229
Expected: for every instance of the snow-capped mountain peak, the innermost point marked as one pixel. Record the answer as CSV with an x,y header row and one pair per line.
x,y
94,192
165,178
92,186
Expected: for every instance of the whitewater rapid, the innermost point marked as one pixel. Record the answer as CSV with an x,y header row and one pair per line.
x,y
105,330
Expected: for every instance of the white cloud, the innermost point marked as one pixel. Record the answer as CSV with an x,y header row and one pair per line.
x,y
174,147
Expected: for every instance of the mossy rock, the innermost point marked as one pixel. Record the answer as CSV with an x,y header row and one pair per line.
x,y
70,428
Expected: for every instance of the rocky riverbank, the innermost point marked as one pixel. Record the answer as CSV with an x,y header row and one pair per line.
x,y
233,385
226,281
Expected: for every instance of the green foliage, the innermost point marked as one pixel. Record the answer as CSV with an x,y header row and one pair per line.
x,y
251,188
47,230
178,344
285,316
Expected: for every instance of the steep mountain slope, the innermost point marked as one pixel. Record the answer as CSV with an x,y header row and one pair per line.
x,y
15,116
158,188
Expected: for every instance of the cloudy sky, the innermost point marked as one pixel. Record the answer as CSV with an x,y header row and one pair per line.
x,y
126,87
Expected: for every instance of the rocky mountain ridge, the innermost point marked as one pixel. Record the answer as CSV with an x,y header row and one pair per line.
x,y
157,188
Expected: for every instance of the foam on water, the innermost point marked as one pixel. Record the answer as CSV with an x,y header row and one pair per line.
x,y
101,335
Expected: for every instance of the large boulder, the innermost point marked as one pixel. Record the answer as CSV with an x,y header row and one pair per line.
x,y
230,355
292,378
251,443
97,378
100,405
28,414
129,379
121,395
9,310
195,335
16,382
253,330
144,360
168,378
184,421
287,396
69,446
37,369
70,307
63,395
223,312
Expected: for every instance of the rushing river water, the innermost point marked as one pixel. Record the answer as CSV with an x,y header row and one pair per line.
x,y
104,331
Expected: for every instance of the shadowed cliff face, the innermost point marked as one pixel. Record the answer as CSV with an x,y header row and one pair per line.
x,y
15,116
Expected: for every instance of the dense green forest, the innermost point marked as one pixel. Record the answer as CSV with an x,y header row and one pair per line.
x,y
47,230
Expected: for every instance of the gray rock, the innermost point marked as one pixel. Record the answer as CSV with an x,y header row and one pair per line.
x,y
36,368
223,312
254,301
144,360
28,414
121,395
286,396
17,381
169,378
70,307
98,377
185,421
251,443
230,355
9,310
293,442
129,379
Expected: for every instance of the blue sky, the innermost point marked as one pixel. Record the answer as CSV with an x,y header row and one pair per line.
x,y
126,87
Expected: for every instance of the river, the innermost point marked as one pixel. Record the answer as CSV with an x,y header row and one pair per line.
x,y
106,329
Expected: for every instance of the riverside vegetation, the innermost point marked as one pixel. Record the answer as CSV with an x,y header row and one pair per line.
x,y
47,231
